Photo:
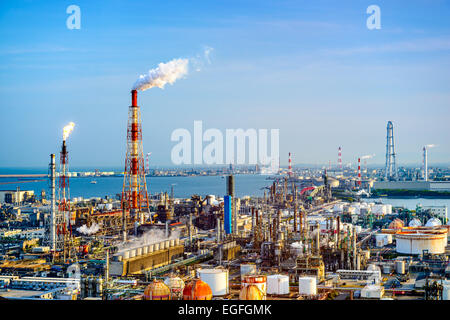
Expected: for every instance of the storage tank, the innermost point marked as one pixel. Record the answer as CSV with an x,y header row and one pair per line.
x,y
247,268
251,292
416,241
126,254
387,268
396,224
433,222
197,289
446,292
162,245
307,286
157,290
151,248
176,286
144,250
258,280
139,251
156,246
415,223
217,279
372,291
172,242
167,244
278,284
132,253
400,266
297,248
388,239
380,240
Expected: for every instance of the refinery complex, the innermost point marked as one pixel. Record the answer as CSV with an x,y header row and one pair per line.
x,y
275,155
313,235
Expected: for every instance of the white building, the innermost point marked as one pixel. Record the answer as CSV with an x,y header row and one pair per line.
x,y
439,211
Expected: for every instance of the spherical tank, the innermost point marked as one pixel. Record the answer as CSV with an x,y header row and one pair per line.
x,y
433,222
396,224
157,290
197,290
415,223
251,292
258,280
176,286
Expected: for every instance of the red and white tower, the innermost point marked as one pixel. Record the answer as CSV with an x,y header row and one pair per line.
x,y
340,158
290,166
359,171
63,223
134,190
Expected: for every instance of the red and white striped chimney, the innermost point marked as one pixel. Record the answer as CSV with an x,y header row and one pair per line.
x,y
290,165
359,171
340,158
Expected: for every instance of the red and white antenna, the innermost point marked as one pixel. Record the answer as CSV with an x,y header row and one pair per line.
x,y
290,166
340,158
359,171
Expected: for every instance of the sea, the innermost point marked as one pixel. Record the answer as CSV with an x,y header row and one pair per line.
x,y
183,187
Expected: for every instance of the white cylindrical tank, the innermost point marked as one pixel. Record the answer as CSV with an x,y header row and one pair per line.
x,y
278,284
151,248
162,245
258,280
380,240
400,266
126,254
446,292
434,241
144,250
217,279
307,286
172,242
177,242
388,239
387,268
139,251
247,268
132,253
167,244
156,246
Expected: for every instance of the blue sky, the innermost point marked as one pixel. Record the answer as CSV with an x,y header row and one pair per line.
x,y
309,68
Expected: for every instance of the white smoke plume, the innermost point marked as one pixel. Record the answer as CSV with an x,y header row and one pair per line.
x,y
88,230
428,146
151,236
171,71
165,73
67,130
368,156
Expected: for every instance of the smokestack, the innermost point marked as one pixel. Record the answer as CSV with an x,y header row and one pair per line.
x,y
135,187
52,203
359,171
425,164
290,166
318,239
340,158
134,98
